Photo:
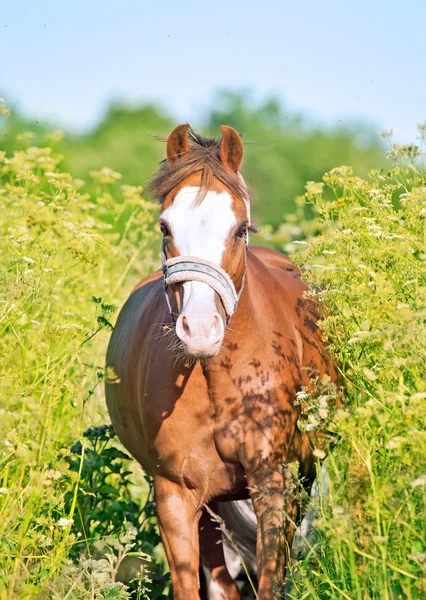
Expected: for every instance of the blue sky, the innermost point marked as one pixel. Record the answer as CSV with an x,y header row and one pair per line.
x,y
333,61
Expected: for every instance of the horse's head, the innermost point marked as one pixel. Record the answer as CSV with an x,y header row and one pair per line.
x,y
205,220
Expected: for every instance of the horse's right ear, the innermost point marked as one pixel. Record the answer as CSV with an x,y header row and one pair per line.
x,y
177,142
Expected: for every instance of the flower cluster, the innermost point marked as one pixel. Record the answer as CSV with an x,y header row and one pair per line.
x,y
367,269
61,245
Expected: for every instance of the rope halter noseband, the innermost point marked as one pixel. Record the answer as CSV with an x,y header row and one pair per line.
x,y
190,268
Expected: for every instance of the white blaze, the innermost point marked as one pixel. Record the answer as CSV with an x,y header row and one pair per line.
x,y
200,230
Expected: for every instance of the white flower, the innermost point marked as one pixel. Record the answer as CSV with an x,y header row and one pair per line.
x,y
418,557
53,474
319,453
313,420
419,481
323,413
302,395
323,401
64,523
4,490
132,530
396,443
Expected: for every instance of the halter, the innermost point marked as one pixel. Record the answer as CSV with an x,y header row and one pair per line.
x,y
192,268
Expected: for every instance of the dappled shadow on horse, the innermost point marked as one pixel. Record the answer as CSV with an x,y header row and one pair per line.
x,y
209,354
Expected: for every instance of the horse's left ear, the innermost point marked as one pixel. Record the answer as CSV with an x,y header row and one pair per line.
x,y
231,148
177,142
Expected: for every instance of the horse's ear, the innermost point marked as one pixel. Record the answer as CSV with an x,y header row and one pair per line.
x,y
177,142
231,148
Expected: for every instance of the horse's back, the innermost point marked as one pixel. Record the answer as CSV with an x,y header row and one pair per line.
x,y
273,259
277,288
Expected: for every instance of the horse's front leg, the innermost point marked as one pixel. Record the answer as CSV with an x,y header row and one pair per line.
x,y
275,501
178,513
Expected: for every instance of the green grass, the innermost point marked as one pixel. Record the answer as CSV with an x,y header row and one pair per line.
x,y
69,258
61,254
368,271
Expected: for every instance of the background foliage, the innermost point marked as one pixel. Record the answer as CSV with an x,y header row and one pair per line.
x,y
368,270
74,510
283,150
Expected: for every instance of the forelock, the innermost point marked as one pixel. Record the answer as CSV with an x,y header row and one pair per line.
x,y
203,157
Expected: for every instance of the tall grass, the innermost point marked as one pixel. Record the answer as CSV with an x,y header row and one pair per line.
x,y
368,271
61,253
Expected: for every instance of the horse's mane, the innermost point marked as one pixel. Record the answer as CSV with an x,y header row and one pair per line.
x,y
203,157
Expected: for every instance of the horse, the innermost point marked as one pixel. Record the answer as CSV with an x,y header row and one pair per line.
x,y
209,354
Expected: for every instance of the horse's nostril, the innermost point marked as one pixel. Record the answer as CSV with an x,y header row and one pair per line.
x,y
185,326
216,327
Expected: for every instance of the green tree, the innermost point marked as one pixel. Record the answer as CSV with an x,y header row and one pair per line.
x,y
283,151
124,141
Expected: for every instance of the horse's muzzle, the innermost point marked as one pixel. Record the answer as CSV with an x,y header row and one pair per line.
x,y
202,336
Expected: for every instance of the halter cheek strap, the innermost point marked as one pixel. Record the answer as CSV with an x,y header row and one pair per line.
x,y
190,268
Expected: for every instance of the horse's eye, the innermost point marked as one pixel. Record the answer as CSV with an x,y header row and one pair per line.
x,y
164,229
242,231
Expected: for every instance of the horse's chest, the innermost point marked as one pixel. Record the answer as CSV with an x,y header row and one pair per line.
x,y
251,413
184,449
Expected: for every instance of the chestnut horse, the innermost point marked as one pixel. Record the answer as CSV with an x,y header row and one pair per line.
x,y
209,354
